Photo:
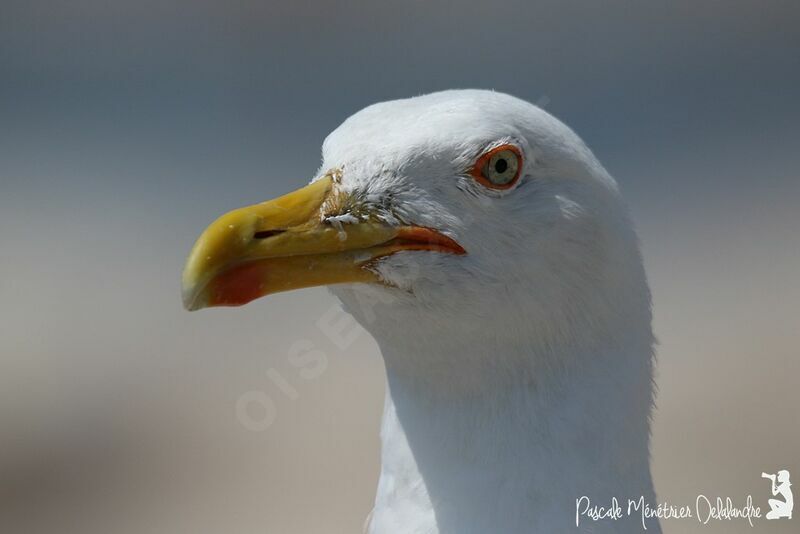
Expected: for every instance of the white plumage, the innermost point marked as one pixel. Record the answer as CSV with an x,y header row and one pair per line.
x,y
519,375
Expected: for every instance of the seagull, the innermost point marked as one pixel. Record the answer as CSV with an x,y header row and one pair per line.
x,y
492,258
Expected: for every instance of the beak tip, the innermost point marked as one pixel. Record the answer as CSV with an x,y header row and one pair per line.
x,y
192,300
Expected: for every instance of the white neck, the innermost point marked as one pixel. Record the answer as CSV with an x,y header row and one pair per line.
x,y
515,454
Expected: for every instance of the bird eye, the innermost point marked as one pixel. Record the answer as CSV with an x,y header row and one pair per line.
x,y
499,168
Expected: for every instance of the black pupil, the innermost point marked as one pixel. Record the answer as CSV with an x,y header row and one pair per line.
x,y
501,166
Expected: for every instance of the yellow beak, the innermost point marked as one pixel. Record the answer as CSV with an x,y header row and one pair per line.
x,y
286,244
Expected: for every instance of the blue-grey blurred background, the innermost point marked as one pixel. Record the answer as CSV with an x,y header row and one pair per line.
x,y
126,127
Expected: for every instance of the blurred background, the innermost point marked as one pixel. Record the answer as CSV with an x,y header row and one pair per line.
x,y
126,127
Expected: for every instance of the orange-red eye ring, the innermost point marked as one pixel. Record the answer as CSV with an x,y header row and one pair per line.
x,y
480,165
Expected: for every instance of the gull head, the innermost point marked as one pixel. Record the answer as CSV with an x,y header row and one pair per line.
x,y
469,210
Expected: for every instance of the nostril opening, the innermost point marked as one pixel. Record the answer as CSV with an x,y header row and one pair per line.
x,y
263,234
